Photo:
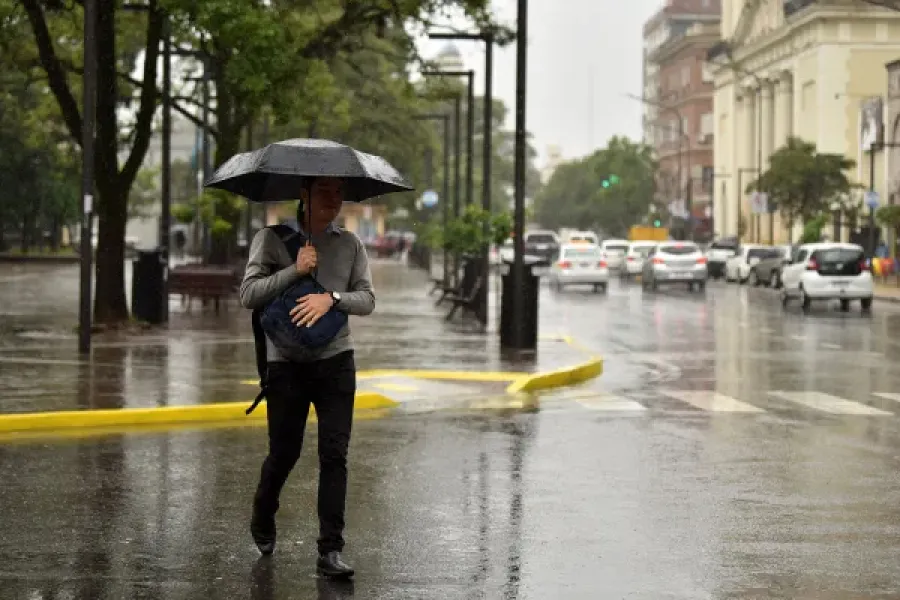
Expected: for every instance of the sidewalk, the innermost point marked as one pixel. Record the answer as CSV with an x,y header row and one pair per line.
x,y
203,358
887,292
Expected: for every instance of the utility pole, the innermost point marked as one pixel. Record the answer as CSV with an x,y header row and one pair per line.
x,y
165,213
87,174
521,148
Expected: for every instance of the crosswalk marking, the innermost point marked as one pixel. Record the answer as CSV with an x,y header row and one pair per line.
x,y
712,401
887,396
611,403
828,403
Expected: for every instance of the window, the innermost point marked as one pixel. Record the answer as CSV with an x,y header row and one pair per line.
x,y
685,125
801,256
586,253
839,261
706,124
679,249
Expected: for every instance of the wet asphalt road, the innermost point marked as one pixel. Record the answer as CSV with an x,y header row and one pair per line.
x,y
643,484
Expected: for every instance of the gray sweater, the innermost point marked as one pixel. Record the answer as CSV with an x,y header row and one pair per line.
x,y
343,267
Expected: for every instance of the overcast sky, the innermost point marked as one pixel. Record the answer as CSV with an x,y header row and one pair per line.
x,y
583,57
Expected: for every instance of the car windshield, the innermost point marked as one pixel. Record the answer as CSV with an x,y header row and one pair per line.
x,y
722,246
581,253
761,253
679,249
540,238
616,248
641,250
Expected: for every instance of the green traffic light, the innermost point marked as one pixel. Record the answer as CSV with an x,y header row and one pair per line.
x,y
605,183
614,179
657,223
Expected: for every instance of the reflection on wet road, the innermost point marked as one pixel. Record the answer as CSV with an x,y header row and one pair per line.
x,y
730,450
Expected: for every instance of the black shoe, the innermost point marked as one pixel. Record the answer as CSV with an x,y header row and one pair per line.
x,y
332,565
262,528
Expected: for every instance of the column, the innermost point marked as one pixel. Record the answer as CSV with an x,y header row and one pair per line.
x,y
784,128
748,158
767,135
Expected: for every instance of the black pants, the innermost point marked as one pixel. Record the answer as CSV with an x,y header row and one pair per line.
x,y
330,385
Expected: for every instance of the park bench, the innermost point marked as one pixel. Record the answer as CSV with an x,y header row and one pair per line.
x,y
203,281
467,301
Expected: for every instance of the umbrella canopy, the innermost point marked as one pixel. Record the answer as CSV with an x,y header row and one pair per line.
x,y
280,170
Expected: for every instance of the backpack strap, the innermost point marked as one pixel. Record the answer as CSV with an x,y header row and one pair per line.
x,y
293,241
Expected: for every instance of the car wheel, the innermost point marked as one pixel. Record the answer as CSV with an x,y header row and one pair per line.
x,y
845,305
806,301
776,280
866,304
701,287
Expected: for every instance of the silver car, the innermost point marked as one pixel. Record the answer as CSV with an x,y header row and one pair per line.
x,y
675,262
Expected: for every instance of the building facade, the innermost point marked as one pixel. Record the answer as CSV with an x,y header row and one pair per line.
x,y
801,68
671,21
683,134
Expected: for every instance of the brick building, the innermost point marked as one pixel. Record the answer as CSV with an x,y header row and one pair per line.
x,y
684,125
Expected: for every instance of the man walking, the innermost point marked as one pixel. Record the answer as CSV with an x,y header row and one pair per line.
x,y
327,380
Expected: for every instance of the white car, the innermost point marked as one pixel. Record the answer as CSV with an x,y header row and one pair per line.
x,y
828,271
737,268
718,254
579,264
634,257
613,252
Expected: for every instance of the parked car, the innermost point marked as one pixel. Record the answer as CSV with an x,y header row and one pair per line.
x,y
579,264
737,268
718,254
828,271
613,252
542,243
634,258
768,270
675,263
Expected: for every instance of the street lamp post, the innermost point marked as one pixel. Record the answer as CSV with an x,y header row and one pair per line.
x,y
445,193
87,173
521,141
487,133
470,123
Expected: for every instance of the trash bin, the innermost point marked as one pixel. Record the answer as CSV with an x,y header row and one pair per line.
x,y
531,289
148,298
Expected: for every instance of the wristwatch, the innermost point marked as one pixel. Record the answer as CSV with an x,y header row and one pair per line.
x,y
335,297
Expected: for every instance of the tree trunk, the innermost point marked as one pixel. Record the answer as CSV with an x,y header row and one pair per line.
x,y
110,306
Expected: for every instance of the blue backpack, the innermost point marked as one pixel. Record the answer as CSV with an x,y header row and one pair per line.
x,y
274,320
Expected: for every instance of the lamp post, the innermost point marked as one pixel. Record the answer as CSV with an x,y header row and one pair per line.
x,y
521,148
445,194
87,174
487,133
682,138
740,191
470,123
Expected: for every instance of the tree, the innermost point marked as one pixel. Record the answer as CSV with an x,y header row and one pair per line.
x,y
575,196
55,29
801,182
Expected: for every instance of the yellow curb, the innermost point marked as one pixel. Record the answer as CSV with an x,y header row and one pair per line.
x,y
558,378
119,417
95,432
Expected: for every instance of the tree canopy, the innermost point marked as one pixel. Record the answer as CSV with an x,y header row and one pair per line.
x,y
801,182
318,65
576,196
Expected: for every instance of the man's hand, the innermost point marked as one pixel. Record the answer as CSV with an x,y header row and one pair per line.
x,y
306,260
311,308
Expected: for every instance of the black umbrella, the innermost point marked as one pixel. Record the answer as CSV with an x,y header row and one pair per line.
x,y
280,170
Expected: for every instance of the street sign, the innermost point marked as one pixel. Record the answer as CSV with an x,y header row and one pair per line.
x,y
759,203
429,198
871,199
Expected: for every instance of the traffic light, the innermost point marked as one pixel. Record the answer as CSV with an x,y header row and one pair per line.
x,y
610,181
657,223
614,179
605,183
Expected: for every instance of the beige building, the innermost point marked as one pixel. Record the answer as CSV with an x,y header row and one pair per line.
x,y
794,68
